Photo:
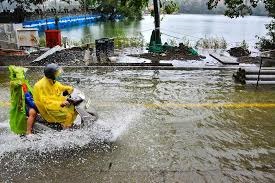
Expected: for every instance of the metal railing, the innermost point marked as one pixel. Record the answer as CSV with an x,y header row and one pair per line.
x,y
261,63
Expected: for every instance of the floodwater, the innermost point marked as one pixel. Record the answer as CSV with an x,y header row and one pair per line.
x,y
178,28
167,126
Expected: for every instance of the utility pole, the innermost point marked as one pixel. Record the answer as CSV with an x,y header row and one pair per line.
x,y
155,45
157,21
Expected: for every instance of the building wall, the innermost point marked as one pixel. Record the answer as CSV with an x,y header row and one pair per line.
x,y
8,38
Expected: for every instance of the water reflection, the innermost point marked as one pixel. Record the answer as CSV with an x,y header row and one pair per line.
x,y
191,27
93,31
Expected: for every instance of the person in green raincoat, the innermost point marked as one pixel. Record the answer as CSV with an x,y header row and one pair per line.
x,y
23,110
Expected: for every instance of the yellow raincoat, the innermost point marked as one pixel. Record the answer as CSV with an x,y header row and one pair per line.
x,y
48,96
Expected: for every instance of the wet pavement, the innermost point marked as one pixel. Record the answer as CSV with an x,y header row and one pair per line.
x,y
167,126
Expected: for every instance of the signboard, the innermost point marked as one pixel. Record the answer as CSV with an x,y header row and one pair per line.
x,y
27,37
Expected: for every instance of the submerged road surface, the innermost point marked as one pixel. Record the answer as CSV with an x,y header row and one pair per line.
x,y
167,126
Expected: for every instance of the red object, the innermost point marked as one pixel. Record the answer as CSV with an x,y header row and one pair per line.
x,y
53,38
25,88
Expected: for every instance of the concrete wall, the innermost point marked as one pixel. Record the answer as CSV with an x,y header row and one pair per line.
x,y
8,38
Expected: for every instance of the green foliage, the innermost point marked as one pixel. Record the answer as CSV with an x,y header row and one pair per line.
x,y
186,42
236,8
87,4
167,7
24,4
172,42
129,8
200,7
211,43
126,42
170,7
267,43
119,42
42,42
28,2
244,45
175,42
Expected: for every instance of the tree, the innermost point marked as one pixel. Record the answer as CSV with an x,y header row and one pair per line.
x,y
170,6
126,8
2,7
236,8
26,4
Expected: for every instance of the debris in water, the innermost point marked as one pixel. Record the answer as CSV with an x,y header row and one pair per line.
x,y
110,165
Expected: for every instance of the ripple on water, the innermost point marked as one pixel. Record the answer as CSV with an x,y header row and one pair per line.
x,y
163,126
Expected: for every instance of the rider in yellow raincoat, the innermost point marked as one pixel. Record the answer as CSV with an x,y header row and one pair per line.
x,y
49,99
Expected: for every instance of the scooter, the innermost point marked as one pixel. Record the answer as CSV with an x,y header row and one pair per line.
x,y
87,114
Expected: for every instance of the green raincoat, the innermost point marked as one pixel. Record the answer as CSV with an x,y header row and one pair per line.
x,y
18,120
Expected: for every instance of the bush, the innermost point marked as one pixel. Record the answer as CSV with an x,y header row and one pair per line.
x,y
211,43
244,45
124,42
267,43
42,42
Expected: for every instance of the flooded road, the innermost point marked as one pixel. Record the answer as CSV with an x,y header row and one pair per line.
x,y
167,126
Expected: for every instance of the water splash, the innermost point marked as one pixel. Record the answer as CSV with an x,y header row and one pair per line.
x,y
106,129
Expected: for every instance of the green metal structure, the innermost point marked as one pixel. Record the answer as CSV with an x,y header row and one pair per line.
x,y
155,44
